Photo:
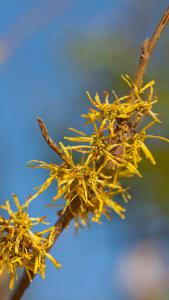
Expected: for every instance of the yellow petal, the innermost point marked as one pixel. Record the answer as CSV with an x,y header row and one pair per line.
x,y
133,169
54,261
147,153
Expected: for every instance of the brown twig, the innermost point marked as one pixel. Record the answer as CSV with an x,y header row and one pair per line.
x,y
49,141
148,47
65,218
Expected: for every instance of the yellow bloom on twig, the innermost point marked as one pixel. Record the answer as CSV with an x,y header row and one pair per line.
x,y
20,246
83,182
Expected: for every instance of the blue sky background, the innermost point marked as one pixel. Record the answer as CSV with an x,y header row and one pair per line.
x,y
40,77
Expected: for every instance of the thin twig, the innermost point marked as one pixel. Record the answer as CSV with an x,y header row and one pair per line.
x,y
49,141
65,218
148,47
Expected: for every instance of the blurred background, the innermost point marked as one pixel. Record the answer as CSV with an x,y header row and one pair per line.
x,y
51,52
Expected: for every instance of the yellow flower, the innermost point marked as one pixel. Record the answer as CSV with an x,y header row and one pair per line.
x,y
84,182
20,247
115,137
122,108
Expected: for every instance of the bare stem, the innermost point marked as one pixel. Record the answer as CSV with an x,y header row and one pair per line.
x,y
49,141
148,47
65,218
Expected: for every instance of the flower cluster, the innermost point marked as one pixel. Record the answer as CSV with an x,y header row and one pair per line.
x,y
93,186
112,152
20,247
